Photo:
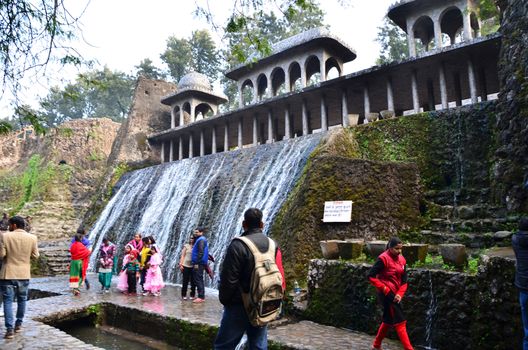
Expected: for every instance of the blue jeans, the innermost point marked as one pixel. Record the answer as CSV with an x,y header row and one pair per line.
x,y
523,299
10,290
232,327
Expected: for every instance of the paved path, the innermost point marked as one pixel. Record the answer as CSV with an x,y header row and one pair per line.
x,y
37,335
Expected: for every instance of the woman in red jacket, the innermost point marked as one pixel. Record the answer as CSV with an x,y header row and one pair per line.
x,y
389,276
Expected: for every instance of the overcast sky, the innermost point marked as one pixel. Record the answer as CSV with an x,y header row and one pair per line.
x,y
119,33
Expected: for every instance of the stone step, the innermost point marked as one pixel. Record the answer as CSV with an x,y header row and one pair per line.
x,y
471,225
469,239
456,197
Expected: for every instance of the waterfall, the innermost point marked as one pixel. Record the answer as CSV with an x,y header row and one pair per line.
x,y
430,316
169,200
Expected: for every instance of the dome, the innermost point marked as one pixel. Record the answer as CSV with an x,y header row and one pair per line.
x,y
194,81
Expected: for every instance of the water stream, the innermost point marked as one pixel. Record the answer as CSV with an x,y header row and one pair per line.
x,y
430,316
168,201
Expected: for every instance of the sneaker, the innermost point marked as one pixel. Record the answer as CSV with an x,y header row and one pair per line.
x,y
9,334
156,294
18,328
184,298
145,293
198,300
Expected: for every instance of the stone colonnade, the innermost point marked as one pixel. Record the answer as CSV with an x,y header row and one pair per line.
x,y
429,83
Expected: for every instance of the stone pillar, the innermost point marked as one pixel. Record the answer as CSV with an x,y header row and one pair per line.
x,y
366,100
255,130
270,126
180,148
322,69
287,127
202,144
344,108
483,85
213,140
303,74
390,95
240,96
287,82
472,82
182,120
254,94
305,129
415,96
443,87
438,33
226,137
410,39
162,154
191,146
193,115
171,151
324,117
173,119
466,19
240,133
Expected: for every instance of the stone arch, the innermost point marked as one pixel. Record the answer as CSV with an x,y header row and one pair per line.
x,y
186,113
278,80
451,22
423,29
204,110
175,113
332,68
294,70
313,70
262,86
248,91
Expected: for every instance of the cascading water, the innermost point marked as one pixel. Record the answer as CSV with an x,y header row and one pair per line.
x,y
168,201
430,316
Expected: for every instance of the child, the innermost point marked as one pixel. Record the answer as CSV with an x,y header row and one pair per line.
x,y
81,231
154,279
144,261
131,268
122,283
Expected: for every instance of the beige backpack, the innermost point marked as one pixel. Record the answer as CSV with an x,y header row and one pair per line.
x,y
264,301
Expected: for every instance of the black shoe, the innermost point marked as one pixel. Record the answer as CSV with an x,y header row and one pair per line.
x,y
18,328
87,284
10,334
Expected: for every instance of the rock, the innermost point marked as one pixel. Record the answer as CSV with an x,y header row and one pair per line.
x,y
500,235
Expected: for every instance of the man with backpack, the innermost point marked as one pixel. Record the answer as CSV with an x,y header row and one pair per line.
x,y
251,286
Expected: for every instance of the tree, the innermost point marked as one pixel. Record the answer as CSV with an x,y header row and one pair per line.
x,y
33,33
99,93
147,68
198,53
393,41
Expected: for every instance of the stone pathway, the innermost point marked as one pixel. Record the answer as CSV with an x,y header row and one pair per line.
x,y
37,335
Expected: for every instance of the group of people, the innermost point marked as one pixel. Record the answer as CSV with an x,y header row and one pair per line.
x,y
141,262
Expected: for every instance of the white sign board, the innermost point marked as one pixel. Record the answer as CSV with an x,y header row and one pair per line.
x,y
337,211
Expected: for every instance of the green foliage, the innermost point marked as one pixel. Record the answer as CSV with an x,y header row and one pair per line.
x,y
28,116
65,132
32,34
95,156
393,41
147,69
197,53
5,127
97,93
36,182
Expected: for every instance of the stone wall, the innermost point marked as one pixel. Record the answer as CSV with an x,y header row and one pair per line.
x,y
146,116
511,171
52,178
461,311
386,199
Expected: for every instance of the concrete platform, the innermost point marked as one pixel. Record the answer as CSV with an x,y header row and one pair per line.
x,y
38,335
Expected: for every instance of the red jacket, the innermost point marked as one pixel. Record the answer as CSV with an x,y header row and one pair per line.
x,y
389,274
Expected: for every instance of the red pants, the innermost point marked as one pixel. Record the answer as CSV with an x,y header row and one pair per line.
x,y
401,330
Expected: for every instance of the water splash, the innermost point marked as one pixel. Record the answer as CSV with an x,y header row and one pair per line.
x,y
168,201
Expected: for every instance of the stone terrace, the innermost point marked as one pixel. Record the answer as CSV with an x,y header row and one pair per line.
x,y
37,335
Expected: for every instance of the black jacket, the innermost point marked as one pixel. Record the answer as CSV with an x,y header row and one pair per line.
x,y
237,267
520,246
